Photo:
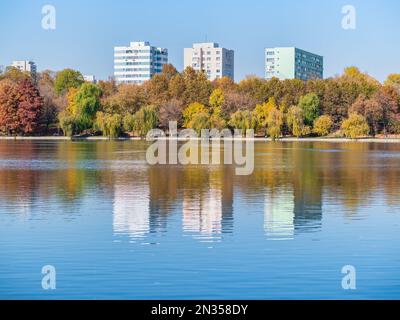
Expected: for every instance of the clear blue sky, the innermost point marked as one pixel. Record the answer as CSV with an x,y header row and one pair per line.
x,y
87,30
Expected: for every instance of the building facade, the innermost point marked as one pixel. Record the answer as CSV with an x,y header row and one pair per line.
x,y
216,62
89,78
26,66
293,63
138,62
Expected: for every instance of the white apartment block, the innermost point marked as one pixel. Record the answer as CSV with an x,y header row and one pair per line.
x,y
89,78
138,62
216,62
25,66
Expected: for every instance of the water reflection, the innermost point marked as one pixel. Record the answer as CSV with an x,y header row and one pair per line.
x,y
292,181
279,215
131,212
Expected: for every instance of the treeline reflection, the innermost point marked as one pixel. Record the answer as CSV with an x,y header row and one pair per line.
x,y
290,185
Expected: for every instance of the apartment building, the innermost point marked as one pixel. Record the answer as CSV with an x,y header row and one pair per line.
x,y
216,62
138,62
293,63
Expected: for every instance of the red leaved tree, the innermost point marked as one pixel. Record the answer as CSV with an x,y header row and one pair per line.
x,y
29,107
9,97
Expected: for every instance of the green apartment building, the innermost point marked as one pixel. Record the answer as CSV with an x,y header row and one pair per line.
x,y
293,63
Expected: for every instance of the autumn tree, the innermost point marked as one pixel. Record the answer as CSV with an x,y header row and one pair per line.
x,y
217,118
355,126
261,112
242,120
20,107
323,125
274,123
189,112
170,111
9,97
129,98
295,122
15,75
197,87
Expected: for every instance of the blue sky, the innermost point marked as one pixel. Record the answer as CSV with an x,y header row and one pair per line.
x,y
87,30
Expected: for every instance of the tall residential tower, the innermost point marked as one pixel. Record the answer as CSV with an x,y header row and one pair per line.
x,y
216,62
293,63
138,62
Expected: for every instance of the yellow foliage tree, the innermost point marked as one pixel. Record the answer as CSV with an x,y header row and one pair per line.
x,y
193,109
274,123
261,112
323,125
355,126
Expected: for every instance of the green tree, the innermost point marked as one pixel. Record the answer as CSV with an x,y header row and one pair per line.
x,y
67,123
355,126
67,79
110,125
323,125
129,122
145,120
242,120
87,101
311,107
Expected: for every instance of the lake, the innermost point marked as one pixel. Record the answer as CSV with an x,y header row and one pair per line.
x,y
115,227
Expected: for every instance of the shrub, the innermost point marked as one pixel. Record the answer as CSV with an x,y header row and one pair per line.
x,y
355,126
323,125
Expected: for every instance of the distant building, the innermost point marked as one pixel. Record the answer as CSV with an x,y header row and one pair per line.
x,y
216,62
90,78
293,63
1,69
138,62
25,66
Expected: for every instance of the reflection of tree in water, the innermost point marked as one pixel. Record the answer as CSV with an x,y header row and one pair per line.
x,y
307,190
348,174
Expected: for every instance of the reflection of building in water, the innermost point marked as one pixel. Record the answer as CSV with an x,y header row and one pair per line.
x,y
202,213
307,207
210,212
131,208
279,215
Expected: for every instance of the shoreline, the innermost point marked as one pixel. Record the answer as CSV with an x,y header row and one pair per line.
x,y
287,139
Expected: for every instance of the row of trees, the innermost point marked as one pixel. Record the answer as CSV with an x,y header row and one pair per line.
x,y
353,104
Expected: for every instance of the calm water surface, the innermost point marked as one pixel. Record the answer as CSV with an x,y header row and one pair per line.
x,y
117,228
